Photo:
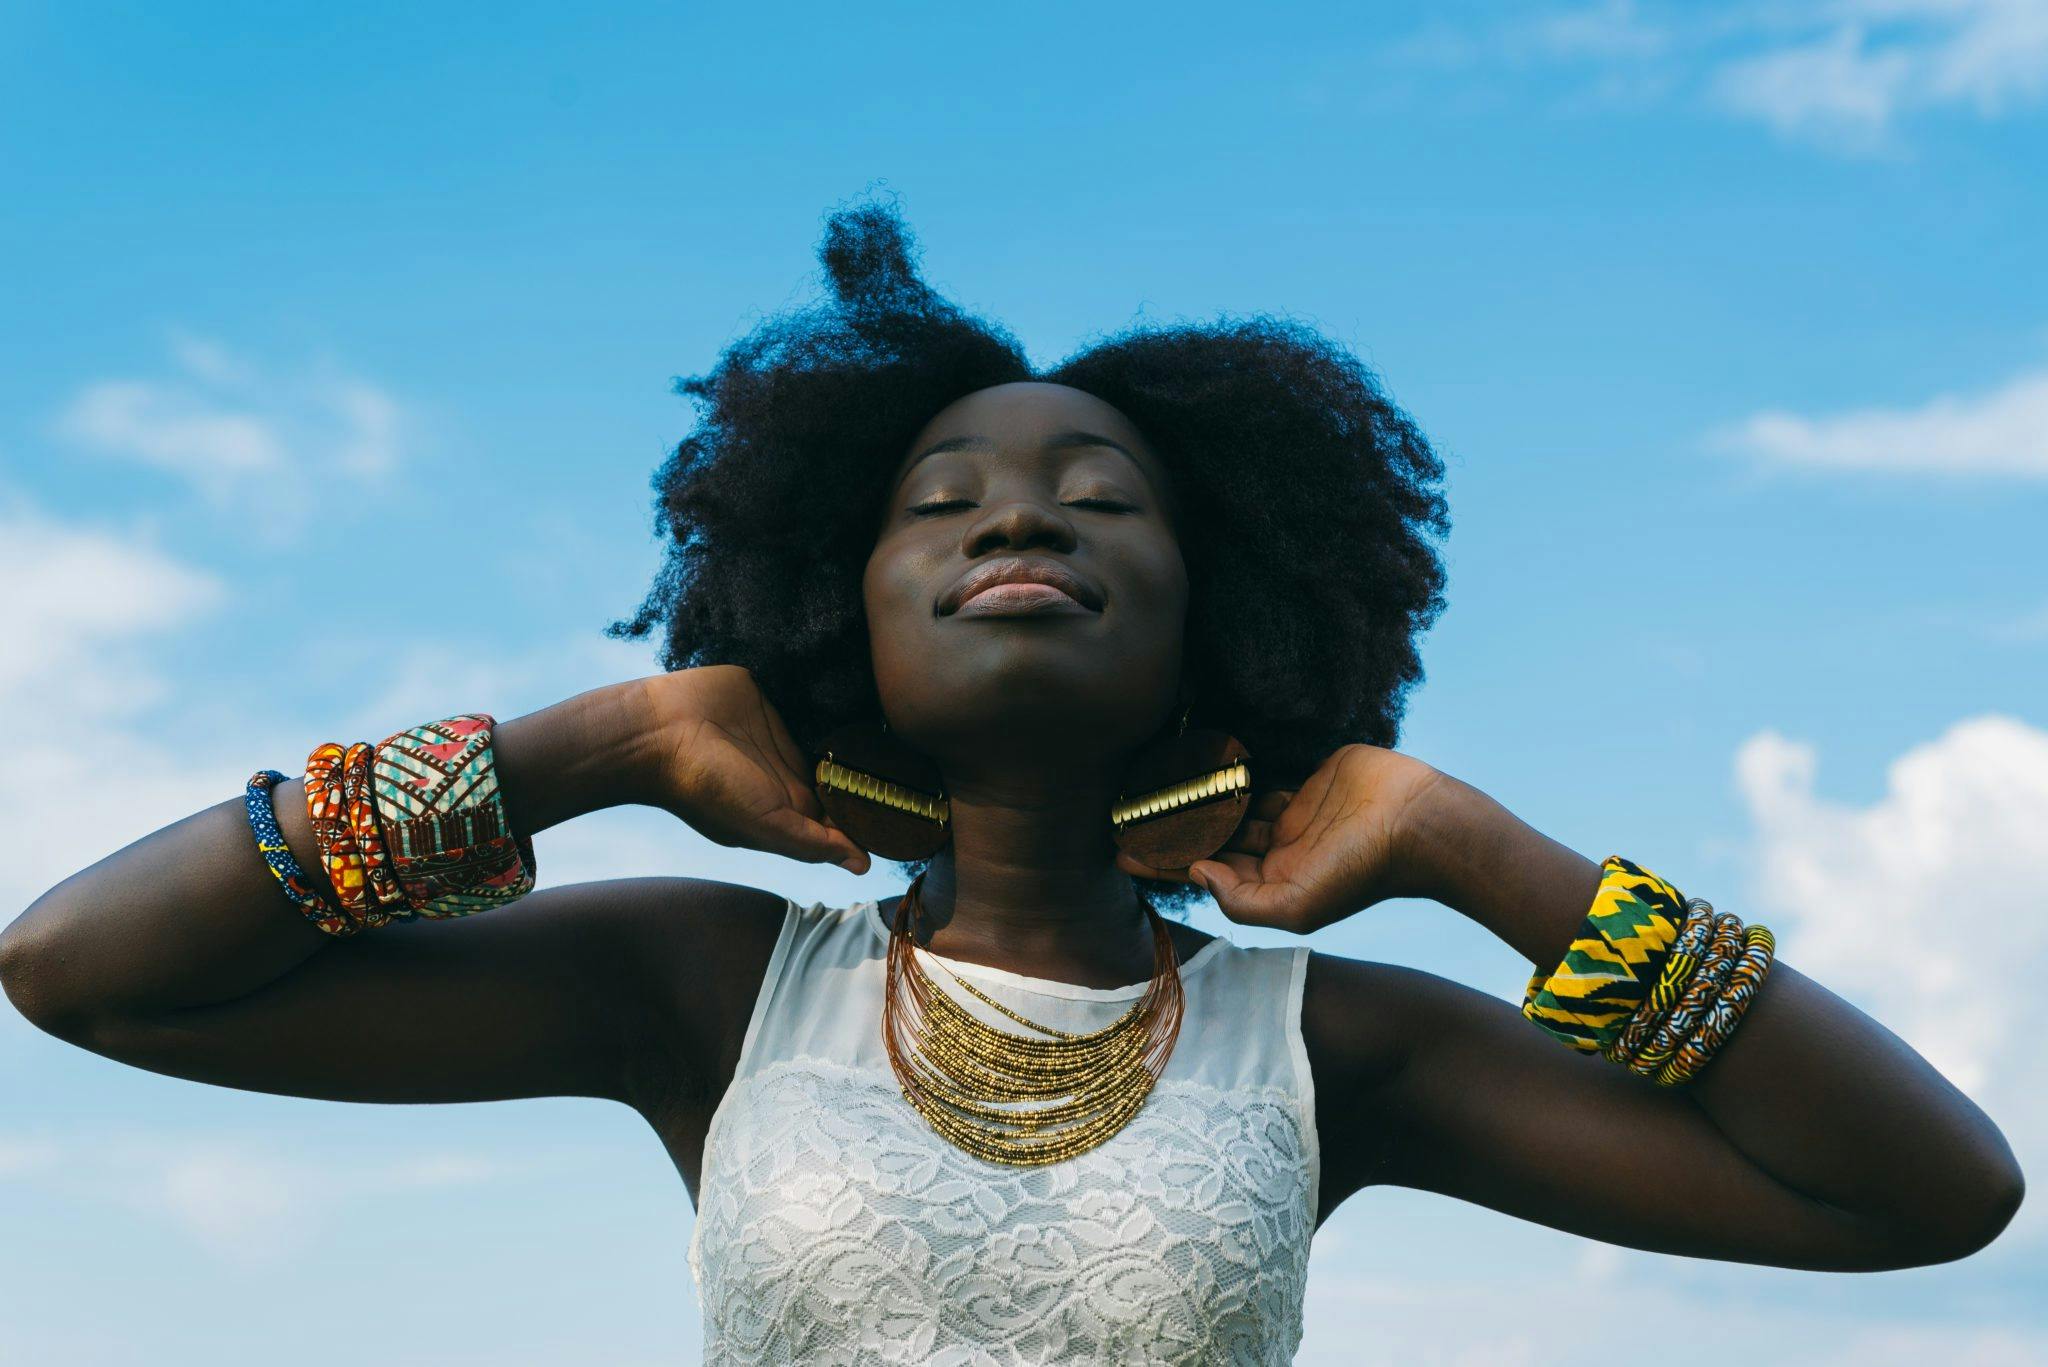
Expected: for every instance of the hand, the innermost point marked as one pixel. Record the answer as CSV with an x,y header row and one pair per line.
x,y
1304,859
725,764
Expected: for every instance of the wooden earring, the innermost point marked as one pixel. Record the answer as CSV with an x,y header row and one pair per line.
x,y
1183,797
884,795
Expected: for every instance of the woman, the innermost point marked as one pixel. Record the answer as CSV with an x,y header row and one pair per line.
x,y
1017,585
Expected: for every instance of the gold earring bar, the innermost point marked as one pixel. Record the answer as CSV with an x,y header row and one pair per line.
x,y
1229,780
832,774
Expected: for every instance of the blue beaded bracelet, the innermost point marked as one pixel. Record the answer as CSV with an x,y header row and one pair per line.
x,y
278,857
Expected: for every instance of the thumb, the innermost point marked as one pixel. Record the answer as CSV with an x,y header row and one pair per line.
x,y
1236,894
1214,877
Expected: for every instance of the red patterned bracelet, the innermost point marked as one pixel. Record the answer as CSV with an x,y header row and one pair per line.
x,y
444,823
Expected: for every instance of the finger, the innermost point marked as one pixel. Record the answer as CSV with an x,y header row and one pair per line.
x,y
795,836
1268,805
1240,892
1253,837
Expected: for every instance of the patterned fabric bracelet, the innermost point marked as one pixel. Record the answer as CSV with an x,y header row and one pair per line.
x,y
1610,966
277,856
1759,951
327,810
387,897
1679,966
1719,960
444,824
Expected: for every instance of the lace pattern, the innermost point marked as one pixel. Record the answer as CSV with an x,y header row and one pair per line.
x,y
837,1229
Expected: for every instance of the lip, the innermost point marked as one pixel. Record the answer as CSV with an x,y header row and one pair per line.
x,y
1034,575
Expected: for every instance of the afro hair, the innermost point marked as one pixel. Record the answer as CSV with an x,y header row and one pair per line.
x,y
1310,504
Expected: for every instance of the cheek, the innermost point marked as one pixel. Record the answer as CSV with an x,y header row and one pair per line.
x,y
893,597
1160,575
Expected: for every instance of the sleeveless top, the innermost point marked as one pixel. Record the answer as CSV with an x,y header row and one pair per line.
x,y
834,1226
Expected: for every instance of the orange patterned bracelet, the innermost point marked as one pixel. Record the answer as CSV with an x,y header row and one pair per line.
x,y
327,810
386,895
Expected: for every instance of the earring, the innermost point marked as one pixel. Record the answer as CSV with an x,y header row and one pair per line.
x,y
883,794
1182,797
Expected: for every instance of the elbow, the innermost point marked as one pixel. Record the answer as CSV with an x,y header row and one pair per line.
x,y
1999,1208
1973,1222
25,978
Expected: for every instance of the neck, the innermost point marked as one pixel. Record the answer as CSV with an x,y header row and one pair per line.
x,y
1029,882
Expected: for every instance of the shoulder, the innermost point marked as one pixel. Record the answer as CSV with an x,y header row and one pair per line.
x,y
1368,1019
1362,1024
693,953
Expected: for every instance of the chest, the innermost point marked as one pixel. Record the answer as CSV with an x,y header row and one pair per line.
x,y
833,1225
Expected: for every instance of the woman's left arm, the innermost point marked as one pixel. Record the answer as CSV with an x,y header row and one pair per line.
x,y
1809,1089
1826,1140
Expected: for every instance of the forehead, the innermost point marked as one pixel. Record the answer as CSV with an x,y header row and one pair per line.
x,y
1032,416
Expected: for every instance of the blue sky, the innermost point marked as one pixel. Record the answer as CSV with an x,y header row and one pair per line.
x,y
1730,322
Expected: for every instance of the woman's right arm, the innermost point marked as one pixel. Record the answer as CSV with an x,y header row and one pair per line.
x,y
181,954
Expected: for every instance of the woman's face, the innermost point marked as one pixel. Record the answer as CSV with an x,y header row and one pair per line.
x,y
1037,480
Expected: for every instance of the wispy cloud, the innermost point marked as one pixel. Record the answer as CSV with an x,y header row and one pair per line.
x,y
76,592
1840,74
2022,629
242,1200
232,428
1874,61
1998,432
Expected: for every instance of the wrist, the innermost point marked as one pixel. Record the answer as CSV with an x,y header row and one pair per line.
x,y
595,750
1438,831
1481,860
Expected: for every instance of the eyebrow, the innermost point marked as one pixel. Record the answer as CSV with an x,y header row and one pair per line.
x,y
1059,441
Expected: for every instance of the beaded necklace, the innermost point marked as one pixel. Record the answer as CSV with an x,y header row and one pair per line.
x,y
973,1083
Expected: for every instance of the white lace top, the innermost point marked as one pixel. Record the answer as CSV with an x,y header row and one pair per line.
x,y
833,1225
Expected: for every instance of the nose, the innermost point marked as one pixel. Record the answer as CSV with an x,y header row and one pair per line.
x,y
1017,523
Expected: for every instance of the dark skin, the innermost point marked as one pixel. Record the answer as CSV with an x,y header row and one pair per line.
x,y
1816,1139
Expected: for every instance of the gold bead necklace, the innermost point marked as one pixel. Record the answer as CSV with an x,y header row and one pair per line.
x,y
971,1082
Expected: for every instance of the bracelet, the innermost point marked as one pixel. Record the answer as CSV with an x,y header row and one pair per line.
x,y
435,788
1759,950
327,810
1700,991
386,895
1605,976
277,856
1679,967
1653,981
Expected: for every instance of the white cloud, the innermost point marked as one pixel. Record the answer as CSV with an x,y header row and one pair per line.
x,y
1834,87
239,1198
1878,59
1615,29
1840,73
1906,898
235,431
76,592
1923,907
2001,432
81,604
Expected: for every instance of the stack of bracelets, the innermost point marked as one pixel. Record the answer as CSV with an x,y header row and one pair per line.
x,y
411,826
1653,981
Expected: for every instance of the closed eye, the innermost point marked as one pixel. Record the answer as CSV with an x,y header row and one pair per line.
x,y
1105,504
